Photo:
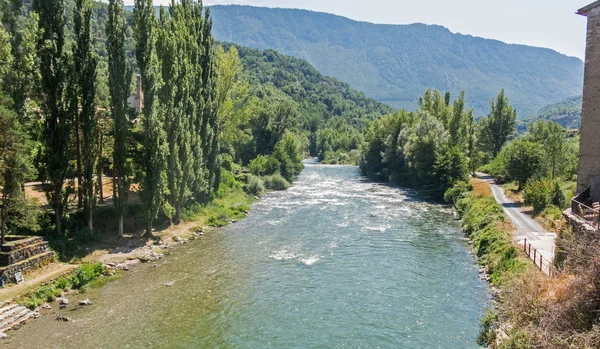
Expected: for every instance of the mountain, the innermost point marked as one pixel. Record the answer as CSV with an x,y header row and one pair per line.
x,y
566,113
395,64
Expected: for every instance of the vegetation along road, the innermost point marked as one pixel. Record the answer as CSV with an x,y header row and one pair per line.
x,y
526,227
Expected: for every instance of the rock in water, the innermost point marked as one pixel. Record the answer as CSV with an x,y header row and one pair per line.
x,y
122,266
63,318
3,335
170,283
85,302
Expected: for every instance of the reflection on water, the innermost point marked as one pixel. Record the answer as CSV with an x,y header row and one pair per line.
x,y
335,261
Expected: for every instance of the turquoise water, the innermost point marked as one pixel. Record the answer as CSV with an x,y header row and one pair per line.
x,y
334,262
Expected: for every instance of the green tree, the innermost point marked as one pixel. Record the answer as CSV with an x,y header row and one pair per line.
x,y
523,160
552,138
499,126
57,124
15,167
119,79
154,151
85,64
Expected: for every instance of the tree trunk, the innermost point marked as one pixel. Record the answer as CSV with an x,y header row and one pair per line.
x,y
100,183
78,155
149,227
121,226
90,218
177,212
4,219
58,211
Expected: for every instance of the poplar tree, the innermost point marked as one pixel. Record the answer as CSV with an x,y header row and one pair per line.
x,y
210,130
119,80
85,64
57,124
153,162
499,126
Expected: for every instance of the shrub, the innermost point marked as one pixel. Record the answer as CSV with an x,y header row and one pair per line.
x,y
255,186
489,323
457,191
538,194
558,196
85,274
275,182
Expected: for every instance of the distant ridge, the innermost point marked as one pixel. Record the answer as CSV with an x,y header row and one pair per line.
x,y
396,63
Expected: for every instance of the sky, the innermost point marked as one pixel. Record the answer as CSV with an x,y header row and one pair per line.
x,y
543,23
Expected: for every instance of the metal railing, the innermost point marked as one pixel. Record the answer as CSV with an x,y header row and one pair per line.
x,y
584,211
544,264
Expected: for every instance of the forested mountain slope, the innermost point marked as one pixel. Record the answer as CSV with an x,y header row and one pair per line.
x,y
396,63
566,113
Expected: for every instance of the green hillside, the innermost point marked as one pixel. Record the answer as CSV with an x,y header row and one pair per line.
x,y
395,64
566,113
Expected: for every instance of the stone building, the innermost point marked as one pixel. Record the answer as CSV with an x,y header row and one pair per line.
x,y
589,160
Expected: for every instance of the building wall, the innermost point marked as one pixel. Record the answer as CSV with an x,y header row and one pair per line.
x,y
589,161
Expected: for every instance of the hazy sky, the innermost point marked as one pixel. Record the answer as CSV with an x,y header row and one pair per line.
x,y
545,23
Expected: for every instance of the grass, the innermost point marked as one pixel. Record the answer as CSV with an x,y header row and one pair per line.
x,y
87,275
228,205
511,190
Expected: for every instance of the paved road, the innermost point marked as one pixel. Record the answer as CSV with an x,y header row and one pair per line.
x,y
527,228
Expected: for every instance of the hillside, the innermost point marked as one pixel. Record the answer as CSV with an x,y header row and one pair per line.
x,y
567,113
395,64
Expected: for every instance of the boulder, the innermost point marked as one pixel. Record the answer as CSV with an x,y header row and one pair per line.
x,y
85,302
122,266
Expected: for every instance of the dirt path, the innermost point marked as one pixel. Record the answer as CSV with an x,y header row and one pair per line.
x,y
527,228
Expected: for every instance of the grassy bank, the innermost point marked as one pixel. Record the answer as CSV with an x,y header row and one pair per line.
x,y
85,276
532,310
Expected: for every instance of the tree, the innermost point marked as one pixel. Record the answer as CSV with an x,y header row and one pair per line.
x,y
499,126
87,146
154,151
523,160
551,136
119,80
57,124
14,167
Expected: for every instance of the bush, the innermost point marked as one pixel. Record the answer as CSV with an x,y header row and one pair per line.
x,y
538,194
275,182
558,196
85,274
452,195
255,186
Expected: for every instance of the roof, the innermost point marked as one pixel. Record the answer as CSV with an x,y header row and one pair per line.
x,y
584,11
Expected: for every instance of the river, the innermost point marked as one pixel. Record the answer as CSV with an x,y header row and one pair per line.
x,y
336,261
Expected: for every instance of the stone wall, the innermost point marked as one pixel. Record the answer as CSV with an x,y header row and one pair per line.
x,y
589,161
29,264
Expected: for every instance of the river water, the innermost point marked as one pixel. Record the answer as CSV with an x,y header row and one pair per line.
x,y
336,261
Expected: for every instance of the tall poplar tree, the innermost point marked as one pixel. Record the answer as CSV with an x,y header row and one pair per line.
x,y
119,80
85,64
153,162
499,126
57,124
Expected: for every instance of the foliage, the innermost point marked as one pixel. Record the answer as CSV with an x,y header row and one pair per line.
x,y
119,80
523,159
492,243
427,150
489,323
53,69
85,274
457,192
542,193
275,182
255,186
499,126
566,113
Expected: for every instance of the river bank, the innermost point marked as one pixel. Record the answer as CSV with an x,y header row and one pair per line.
x,y
334,260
